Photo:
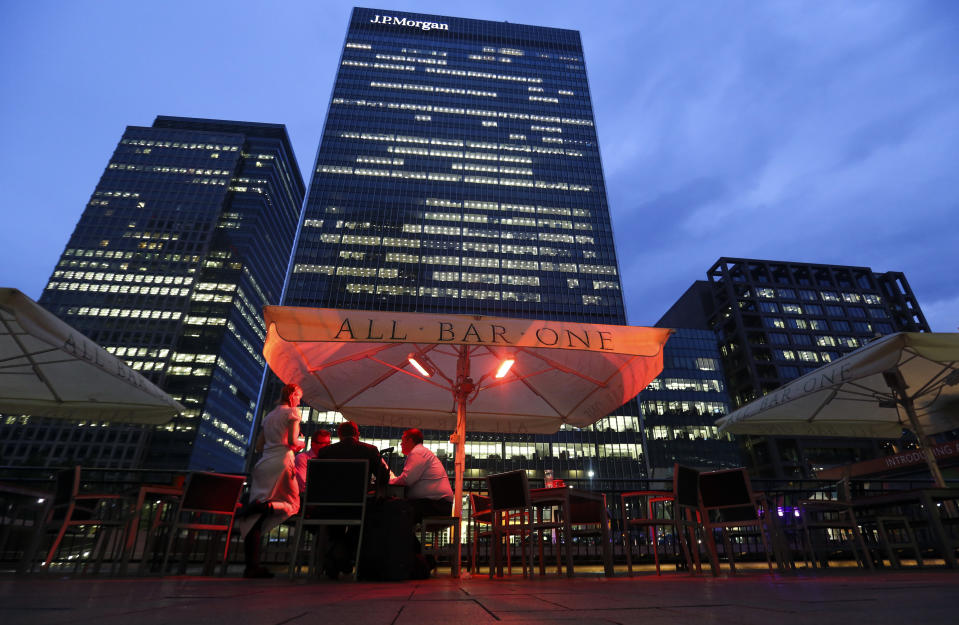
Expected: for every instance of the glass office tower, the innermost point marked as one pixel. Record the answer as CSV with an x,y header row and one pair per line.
x,y
459,172
184,240
777,320
681,406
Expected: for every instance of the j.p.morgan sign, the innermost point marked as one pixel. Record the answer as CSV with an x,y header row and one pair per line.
x,y
403,21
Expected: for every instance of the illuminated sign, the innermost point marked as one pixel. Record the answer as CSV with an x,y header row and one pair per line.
x,y
402,21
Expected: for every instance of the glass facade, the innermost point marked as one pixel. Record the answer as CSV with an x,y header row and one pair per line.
x,y
776,321
681,406
459,172
185,239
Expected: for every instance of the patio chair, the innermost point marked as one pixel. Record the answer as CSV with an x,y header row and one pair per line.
x,y
661,510
727,502
822,516
481,515
896,533
512,514
481,526
335,495
688,511
209,503
74,508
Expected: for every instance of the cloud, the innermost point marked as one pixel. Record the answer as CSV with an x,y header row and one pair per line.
x,y
942,314
830,133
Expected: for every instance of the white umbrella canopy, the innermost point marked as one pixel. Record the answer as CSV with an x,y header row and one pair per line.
x,y
361,363
48,369
357,363
904,380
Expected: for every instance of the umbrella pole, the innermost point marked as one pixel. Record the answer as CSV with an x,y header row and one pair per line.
x,y
464,386
924,441
897,384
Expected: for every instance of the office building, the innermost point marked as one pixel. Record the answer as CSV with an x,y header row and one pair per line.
x,y
777,320
681,406
459,172
184,240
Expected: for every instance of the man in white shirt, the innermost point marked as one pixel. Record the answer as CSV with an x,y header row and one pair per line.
x,y
319,440
425,478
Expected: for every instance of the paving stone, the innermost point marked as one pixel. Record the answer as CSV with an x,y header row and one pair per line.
x,y
842,597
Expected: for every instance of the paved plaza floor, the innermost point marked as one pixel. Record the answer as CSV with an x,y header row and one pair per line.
x,y
841,596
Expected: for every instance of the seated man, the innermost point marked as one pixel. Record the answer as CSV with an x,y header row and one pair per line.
x,y
350,448
425,478
319,440
343,541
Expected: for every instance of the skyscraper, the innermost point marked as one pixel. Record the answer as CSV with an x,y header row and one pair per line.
x,y
459,172
185,238
777,320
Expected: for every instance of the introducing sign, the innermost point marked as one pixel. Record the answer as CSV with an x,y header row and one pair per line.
x,y
402,21
914,457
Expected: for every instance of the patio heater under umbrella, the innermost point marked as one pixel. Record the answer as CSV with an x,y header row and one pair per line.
x,y
436,371
904,380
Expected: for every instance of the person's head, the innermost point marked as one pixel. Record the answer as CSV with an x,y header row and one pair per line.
x,y
291,395
411,438
348,429
320,439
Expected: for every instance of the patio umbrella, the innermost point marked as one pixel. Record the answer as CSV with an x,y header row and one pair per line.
x,y
429,371
48,369
904,380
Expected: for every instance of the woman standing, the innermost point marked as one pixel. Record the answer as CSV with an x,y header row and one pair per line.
x,y
274,495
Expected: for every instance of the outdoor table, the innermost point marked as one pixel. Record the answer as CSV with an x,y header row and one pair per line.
x,y
579,507
160,490
18,495
393,490
928,498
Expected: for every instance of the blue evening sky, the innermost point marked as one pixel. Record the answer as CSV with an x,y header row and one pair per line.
x,y
808,131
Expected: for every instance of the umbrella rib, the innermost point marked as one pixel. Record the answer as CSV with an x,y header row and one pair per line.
x,y
42,351
590,394
560,367
515,377
935,382
357,356
558,412
512,376
45,362
376,382
822,405
316,376
564,369
871,393
315,371
394,370
33,363
619,370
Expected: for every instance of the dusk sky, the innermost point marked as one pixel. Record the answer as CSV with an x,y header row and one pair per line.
x,y
811,131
